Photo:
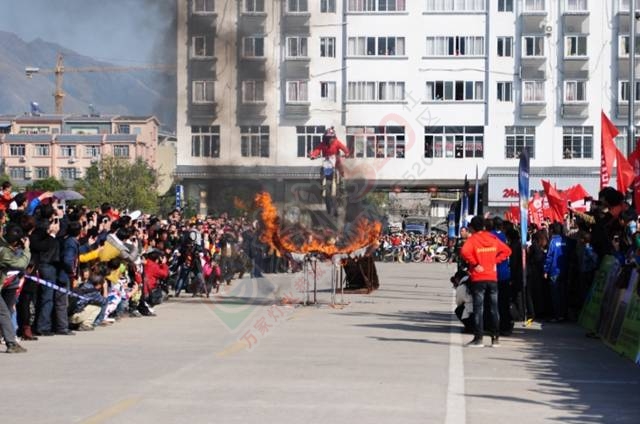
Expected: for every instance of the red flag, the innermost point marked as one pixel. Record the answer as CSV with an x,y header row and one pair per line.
x,y
625,173
575,194
634,160
607,148
556,204
536,210
513,214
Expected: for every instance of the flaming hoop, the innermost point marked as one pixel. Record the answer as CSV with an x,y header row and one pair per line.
x,y
305,245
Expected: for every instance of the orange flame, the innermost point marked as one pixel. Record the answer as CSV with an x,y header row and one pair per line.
x,y
362,234
239,204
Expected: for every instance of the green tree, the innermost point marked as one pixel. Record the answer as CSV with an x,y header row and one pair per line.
x,y
121,183
47,184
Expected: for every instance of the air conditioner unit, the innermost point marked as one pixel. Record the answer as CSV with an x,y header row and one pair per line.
x,y
548,30
72,160
23,159
94,161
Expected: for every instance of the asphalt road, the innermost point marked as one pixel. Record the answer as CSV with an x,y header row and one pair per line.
x,y
395,356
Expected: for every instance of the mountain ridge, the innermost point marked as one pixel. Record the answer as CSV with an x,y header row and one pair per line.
x,y
126,92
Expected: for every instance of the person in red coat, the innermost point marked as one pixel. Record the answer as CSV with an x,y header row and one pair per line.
x,y
330,149
483,252
5,196
155,268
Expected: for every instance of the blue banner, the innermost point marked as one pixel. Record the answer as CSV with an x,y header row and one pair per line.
x,y
523,190
451,224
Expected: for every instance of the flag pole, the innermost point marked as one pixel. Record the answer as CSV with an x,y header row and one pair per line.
x,y
632,77
523,189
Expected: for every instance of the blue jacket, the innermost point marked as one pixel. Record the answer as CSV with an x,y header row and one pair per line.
x,y
503,268
555,264
92,297
69,259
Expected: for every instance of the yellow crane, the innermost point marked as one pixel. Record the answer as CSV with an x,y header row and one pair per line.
x,y
60,70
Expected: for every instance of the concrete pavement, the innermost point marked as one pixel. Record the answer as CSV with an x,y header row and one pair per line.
x,y
395,356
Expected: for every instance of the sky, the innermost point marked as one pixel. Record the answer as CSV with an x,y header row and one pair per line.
x,y
125,32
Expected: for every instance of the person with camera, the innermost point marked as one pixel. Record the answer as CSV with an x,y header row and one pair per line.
x,y
483,252
188,262
15,255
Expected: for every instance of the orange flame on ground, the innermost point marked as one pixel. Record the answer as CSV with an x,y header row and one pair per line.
x,y
362,234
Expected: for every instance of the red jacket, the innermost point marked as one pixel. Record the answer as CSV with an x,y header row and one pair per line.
x,y
332,148
482,252
152,272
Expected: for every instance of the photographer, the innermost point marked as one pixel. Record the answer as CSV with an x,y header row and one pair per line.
x,y
14,256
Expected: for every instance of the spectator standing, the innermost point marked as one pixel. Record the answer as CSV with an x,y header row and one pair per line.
x,y
482,252
555,270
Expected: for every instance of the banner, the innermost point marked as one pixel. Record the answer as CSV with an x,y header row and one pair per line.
x,y
523,190
611,328
628,342
592,308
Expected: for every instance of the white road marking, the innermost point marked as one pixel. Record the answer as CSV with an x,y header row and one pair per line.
x,y
456,405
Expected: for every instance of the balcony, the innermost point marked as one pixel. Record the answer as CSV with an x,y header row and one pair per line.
x,y
533,103
575,8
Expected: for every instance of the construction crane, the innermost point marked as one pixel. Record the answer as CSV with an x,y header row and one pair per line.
x,y
60,70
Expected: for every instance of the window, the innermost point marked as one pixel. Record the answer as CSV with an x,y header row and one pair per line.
x,y
505,91
69,173
202,46
328,91
533,5
41,172
455,91
575,5
575,91
203,6
623,91
297,91
453,142
297,47
205,141
533,92
533,46
203,92
519,138
297,6
92,151
376,46
309,137
377,142
121,151
254,141
35,130
253,6
455,6
505,5
577,142
327,6
455,46
376,5
575,46
505,46
67,151
375,91
124,129
17,172
17,150
253,47
624,5
623,45
327,47
42,150
252,91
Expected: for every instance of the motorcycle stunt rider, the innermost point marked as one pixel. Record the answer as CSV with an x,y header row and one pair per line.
x,y
329,149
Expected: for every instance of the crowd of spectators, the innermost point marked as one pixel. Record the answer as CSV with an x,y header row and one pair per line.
x,y
65,269
561,261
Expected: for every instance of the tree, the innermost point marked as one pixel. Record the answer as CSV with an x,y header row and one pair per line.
x,y
121,183
47,184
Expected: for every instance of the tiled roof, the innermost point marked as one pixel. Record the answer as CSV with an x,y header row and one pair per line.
x,y
79,138
28,137
121,137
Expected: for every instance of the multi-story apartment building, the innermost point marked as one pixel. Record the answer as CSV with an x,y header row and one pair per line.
x,y
421,91
34,147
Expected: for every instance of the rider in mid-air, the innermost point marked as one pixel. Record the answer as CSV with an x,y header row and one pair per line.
x,y
330,149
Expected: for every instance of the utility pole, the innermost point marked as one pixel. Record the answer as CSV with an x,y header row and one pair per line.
x,y
631,132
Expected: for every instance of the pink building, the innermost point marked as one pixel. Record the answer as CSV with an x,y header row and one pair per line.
x,y
64,146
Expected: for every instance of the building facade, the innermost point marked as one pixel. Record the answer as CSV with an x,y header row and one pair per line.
x,y
421,91
34,147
